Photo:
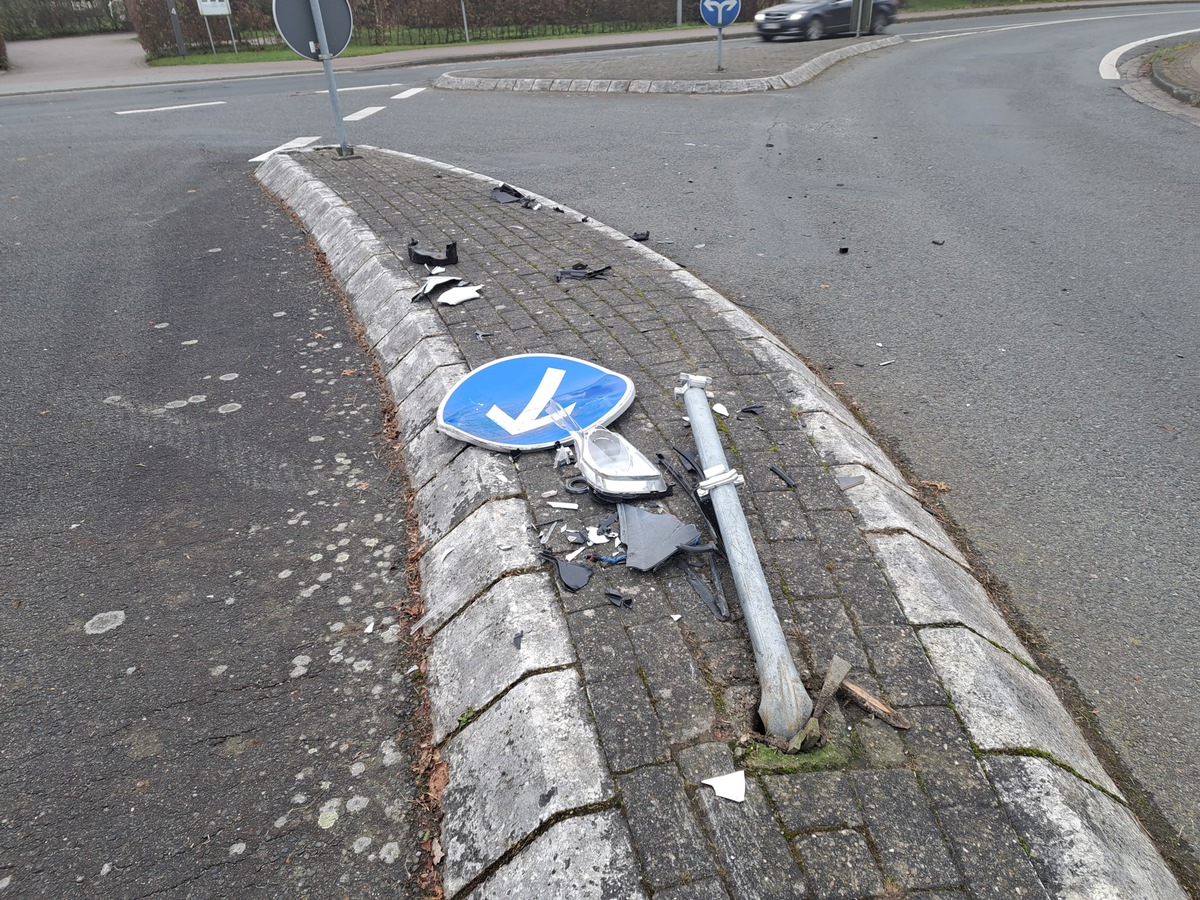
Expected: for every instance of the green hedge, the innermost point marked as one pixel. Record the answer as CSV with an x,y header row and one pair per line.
x,y
25,20
409,22
3,54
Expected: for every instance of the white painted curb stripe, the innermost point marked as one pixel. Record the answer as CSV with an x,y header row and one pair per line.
x,y
1108,65
294,144
411,92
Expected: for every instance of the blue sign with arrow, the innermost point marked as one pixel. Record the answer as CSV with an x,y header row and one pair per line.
x,y
719,13
521,402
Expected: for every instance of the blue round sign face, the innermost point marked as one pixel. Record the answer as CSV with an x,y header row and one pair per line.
x,y
719,13
518,402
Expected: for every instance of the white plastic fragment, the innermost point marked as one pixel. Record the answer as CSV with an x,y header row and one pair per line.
x,y
457,295
549,493
676,618
730,787
559,504
574,553
719,409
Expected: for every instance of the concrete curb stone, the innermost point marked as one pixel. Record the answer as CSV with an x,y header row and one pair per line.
x,y
492,543
790,79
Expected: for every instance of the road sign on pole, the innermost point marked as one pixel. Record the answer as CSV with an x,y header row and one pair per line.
x,y
718,14
318,29
518,402
860,16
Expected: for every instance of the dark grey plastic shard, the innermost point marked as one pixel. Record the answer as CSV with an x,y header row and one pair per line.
x,y
573,575
652,538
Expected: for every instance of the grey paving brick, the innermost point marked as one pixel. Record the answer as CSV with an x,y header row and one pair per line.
x,y
838,535
806,801
677,684
783,518
902,667
989,853
881,744
910,844
868,595
670,843
628,726
758,861
730,662
827,630
839,865
799,568
942,754
604,648
708,889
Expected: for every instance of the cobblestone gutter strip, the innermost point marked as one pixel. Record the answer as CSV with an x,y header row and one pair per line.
x,y
789,79
535,789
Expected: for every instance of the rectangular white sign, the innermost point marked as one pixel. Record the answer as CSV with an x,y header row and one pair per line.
x,y
213,7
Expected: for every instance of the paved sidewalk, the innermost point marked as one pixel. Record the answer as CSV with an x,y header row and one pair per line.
x,y
578,733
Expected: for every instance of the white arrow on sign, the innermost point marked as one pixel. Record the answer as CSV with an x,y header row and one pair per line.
x,y
530,418
719,7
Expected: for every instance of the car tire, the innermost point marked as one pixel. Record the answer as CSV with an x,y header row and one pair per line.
x,y
767,37
878,23
815,30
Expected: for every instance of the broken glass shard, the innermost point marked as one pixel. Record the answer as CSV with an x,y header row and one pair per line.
x,y
652,538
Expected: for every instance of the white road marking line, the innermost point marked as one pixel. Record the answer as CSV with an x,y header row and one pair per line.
x,y
918,36
1108,65
294,144
130,112
411,92
362,114
365,87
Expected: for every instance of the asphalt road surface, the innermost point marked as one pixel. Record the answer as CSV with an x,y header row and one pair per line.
x,y
202,543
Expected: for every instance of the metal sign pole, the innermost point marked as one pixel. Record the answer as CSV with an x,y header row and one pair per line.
x,y
322,41
466,31
785,706
208,28
232,37
720,34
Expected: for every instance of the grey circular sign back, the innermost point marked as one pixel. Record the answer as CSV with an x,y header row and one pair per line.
x,y
294,20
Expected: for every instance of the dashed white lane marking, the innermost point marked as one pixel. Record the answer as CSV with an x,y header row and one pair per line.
x,y
1108,65
411,92
294,144
131,112
362,114
363,87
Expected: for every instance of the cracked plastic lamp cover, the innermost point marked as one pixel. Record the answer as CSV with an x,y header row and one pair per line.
x,y
652,538
614,468
424,257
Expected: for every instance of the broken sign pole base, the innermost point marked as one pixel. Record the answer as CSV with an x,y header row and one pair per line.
x,y
785,706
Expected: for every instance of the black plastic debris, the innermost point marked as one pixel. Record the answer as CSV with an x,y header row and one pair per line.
x,y
580,272
575,537
616,598
480,335
517,639
607,522
714,600
843,249
652,538
577,485
938,242
427,258
754,409
641,235
506,193
574,576
704,504
787,479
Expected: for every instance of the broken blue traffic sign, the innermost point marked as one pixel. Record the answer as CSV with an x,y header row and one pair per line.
x,y
514,403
